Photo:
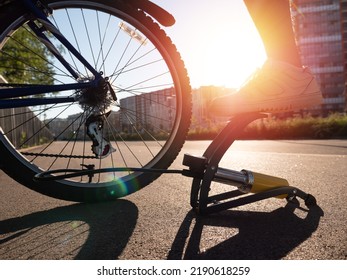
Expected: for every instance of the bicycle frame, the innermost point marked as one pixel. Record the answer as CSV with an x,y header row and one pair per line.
x,y
41,12
16,90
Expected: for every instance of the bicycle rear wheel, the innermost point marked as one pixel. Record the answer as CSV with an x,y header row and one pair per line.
x,y
146,121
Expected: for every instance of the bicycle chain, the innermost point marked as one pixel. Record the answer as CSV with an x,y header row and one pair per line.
x,y
58,156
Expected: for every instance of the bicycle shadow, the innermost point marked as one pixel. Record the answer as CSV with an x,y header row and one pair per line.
x,y
105,221
255,235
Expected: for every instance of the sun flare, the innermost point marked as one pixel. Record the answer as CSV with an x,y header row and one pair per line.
x,y
228,59
218,42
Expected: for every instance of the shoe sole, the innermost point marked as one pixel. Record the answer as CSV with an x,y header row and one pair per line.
x,y
295,103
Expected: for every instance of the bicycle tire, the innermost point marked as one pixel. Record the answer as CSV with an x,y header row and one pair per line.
x,y
16,159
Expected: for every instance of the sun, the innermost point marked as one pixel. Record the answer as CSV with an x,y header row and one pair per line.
x,y
227,59
218,43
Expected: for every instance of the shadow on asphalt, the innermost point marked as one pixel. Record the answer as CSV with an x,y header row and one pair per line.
x,y
105,220
259,236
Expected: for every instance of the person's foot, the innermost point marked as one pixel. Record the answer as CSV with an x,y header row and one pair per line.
x,y
276,87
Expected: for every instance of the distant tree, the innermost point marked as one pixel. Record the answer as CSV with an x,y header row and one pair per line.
x,y
24,59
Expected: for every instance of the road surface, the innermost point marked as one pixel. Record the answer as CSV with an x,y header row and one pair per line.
x,y
157,222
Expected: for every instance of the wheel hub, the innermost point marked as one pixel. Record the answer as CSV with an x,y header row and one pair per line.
x,y
99,99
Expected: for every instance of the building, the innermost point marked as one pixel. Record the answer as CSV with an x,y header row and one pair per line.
x,y
201,98
22,127
343,7
151,112
320,31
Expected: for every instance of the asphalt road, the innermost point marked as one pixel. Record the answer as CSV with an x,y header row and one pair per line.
x,y
157,222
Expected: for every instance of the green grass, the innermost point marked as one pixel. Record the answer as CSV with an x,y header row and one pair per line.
x,y
333,126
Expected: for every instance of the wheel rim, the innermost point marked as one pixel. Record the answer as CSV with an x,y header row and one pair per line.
x,y
135,125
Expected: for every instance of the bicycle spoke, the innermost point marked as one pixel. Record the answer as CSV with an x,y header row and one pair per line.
x,y
135,119
67,143
121,81
101,44
121,58
28,112
104,57
74,36
119,72
89,40
18,114
123,71
34,53
73,60
61,133
76,137
115,132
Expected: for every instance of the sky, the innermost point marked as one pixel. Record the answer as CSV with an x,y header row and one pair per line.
x,y
217,40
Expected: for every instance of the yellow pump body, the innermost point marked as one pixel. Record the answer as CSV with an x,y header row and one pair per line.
x,y
250,182
262,182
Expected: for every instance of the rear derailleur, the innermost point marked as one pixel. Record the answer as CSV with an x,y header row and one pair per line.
x,y
94,126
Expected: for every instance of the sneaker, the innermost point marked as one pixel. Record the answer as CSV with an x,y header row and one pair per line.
x,y
277,87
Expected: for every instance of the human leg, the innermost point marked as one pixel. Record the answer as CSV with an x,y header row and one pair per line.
x,y
282,84
273,21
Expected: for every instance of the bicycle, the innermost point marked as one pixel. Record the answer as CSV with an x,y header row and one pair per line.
x,y
107,128
107,89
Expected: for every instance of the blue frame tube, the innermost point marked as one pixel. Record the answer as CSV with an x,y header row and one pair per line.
x,y
24,90
52,48
50,27
17,103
